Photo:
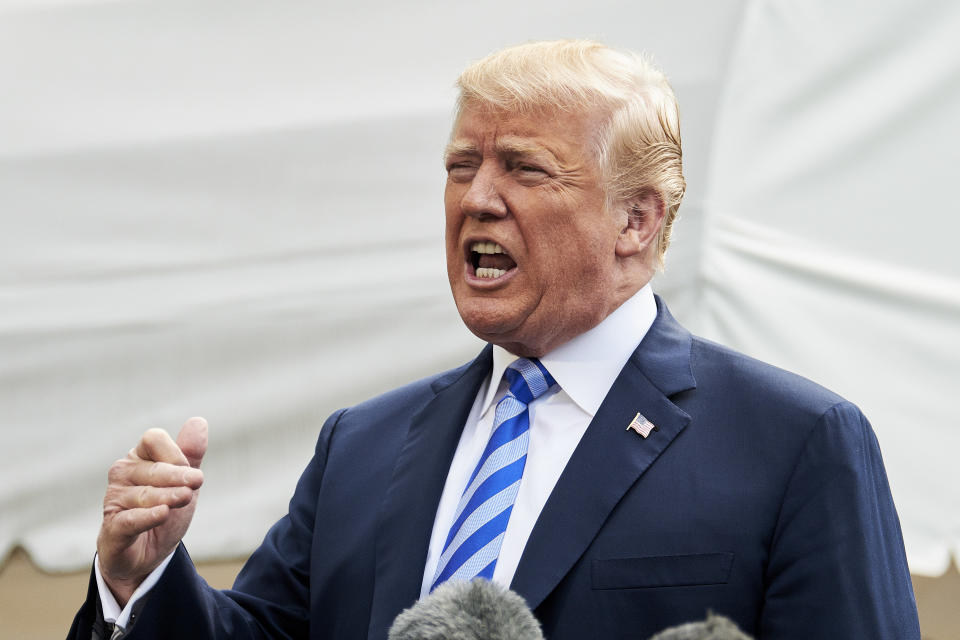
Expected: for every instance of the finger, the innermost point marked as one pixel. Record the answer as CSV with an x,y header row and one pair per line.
x,y
156,474
127,525
156,445
126,498
192,440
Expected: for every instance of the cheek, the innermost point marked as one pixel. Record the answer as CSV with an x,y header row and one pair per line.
x,y
579,259
453,221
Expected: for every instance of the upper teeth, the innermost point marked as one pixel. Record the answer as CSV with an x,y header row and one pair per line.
x,y
486,247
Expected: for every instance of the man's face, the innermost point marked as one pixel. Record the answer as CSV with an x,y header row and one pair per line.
x,y
530,242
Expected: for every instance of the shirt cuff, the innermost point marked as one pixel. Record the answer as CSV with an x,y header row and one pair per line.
x,y
111,610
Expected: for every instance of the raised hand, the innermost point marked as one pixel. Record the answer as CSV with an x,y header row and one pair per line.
x,y
150,500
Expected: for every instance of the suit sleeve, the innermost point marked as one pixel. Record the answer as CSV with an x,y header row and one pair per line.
x,y
269,600
837,567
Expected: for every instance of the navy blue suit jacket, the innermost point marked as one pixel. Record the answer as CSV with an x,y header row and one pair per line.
x,y
761,496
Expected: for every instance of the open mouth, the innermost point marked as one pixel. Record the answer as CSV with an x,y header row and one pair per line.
x,y
489,260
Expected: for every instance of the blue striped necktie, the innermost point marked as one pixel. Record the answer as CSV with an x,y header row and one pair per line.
x,y
473,545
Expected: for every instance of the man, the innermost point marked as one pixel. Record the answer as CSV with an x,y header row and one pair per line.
x,y
646,477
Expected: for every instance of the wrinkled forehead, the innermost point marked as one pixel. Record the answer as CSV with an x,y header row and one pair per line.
x,y
522,130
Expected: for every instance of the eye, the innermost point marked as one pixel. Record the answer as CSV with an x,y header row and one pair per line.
x,y
526,167
528,173
461,171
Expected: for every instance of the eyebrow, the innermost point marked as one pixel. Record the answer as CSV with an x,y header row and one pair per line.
x,y
510,146
460,148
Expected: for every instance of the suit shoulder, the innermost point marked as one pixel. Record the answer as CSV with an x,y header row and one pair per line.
x,y
720,368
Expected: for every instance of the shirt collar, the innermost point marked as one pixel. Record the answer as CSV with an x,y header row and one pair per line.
x,y
587,366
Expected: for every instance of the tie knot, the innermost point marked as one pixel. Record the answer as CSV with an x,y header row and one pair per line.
x,y
528,379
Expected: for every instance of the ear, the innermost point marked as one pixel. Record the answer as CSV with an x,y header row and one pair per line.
x,y
644,215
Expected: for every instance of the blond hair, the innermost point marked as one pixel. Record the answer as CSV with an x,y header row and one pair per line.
x,y
638,149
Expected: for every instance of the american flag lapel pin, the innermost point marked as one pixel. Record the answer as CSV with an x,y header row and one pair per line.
x,y
641,425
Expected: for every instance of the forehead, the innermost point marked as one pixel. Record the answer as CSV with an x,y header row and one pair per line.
x,y
565,134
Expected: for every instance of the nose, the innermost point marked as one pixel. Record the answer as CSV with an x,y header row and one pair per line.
x,y
483,198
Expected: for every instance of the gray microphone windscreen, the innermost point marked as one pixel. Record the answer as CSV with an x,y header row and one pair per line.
x,y
475,610
715,628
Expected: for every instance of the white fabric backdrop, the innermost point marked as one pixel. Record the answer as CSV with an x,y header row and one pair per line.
x,y
233,209
830,241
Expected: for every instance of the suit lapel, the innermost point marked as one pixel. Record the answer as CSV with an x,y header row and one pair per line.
x,y
609,459
410,504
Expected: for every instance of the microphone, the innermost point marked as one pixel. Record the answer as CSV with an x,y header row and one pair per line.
x,y
460,610
715,628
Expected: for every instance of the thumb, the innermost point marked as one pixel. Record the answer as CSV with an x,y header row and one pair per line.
x,y
192,440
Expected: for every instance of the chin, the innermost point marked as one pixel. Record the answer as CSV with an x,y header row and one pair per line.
x,y
504,333
485,327
487,320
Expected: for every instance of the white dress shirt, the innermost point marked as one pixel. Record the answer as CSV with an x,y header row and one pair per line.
x,y
112,612
585,369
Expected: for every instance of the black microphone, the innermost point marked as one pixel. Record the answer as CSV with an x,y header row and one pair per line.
x,y
715,628
475,610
